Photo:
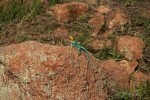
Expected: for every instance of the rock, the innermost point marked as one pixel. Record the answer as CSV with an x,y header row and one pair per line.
x,y
117,17
107,33
105,20
97,23
130,66
137,79
103,9
68,11
118,72
97,44
131,47
133,65
32,70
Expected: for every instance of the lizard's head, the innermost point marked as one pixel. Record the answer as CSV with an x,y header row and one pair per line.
x,y
71,38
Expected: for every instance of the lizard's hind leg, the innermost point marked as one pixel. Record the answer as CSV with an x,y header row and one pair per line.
x,y
80,52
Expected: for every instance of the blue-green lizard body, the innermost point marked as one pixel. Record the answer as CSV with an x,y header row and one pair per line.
x,y
80,48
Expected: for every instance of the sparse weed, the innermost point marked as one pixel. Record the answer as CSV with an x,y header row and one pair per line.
x,y
83,27
82,38
143,91
144,24
20,38
108,53
140,93
53,2
18,9
122,95
126,2
145,61
35,7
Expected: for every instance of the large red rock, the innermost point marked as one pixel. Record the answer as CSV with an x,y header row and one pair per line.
x,y
131,47
68,11
36,71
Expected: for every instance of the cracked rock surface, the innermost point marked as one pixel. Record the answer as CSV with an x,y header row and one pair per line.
x,y
32,70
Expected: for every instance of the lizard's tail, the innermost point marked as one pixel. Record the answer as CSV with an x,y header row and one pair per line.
x,y
88,56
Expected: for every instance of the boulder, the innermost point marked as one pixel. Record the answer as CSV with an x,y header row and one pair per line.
x,y
32,70
107,33
123,74
68,11
117,72
107,18
138,78
131,47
